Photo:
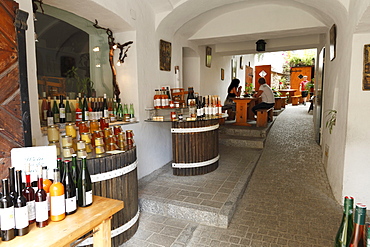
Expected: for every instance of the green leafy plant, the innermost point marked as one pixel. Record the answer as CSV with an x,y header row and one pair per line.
x,y
248,88
331,119
84,85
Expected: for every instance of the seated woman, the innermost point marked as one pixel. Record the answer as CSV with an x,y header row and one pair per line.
x,y
233,91
268,99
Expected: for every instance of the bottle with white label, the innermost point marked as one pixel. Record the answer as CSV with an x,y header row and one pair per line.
x,y
69,189
57,201
20,208
29,194
6,213
41,203
84,185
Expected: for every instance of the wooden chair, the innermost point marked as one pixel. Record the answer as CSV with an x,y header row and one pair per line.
x,y
264,116
53,86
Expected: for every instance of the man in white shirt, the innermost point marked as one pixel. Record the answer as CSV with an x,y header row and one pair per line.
x,y
268,98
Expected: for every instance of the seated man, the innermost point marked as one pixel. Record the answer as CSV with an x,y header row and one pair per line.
x,y
268,99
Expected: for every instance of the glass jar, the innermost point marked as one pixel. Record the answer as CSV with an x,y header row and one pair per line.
x,y
129,134
99,142
89,148
83,127
86,137
104,122
81,145
71,130
117,129
108,132
111,139
53,133
94,126
111,147
99,149
81,153
67,152
66,141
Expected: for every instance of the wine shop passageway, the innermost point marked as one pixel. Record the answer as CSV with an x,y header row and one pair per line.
x,y
287,201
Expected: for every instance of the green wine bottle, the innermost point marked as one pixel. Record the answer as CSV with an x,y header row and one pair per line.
x,y
346,227
358,238
84,185
55,111
68,111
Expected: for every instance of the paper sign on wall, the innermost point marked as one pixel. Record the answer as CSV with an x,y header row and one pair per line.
x,y
35,156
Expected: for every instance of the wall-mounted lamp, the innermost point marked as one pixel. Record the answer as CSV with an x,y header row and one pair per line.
x,y
260,45
96,49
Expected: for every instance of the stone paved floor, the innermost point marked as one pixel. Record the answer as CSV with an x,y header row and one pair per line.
x,y
288,201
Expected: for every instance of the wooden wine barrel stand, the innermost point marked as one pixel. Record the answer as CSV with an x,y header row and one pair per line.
x,y
115,176
195,147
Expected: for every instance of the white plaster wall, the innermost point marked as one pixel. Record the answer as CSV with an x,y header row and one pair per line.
x,y
357,155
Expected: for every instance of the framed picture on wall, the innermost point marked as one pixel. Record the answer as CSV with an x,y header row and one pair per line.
x,y
233,68
241,62
366,69
333,40
208,56
222,74
165,55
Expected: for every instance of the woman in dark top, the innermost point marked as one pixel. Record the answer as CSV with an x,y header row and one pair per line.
x,y
233,91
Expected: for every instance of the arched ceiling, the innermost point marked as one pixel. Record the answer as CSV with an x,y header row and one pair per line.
x,y
189,18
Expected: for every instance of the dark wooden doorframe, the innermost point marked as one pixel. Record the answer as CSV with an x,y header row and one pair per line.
x,y
15,124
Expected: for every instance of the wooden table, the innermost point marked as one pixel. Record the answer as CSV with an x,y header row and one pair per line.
x,y
97,217
244,110
290,91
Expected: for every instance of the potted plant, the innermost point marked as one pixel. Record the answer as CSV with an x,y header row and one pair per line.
x,y
248,90
84,85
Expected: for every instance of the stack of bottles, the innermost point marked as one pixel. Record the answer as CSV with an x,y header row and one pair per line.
x,y
162,98
89,136
353,232
63,111
22,206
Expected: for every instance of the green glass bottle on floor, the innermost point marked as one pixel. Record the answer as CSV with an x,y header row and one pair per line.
x,y
345,230
358,238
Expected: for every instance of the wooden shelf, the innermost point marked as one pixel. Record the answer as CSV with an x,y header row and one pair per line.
x,y
64,232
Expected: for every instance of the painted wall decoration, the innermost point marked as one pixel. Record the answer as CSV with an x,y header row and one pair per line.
x,y
208,56
366,69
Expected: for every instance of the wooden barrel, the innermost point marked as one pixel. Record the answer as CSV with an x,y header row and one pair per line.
x,y
195,147
115,176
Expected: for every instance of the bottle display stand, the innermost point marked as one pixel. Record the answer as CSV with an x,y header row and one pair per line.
x,y
115,176
195,147
96,217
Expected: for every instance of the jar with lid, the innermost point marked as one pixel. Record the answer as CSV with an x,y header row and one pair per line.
x,y
53,133
81,153
117,129
71,130
83,127
99,141
100,149
66,141
86,137
108,132
81,145
67,152
94,126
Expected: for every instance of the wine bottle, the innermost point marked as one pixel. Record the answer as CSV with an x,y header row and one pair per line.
x,y
78,111
6,213
190,95
57,201
85,110
29,194
119,111
46,184
345,230
68,111
62,110
69,189
132,111
41,204
11,181
49,113
105,106
358,236
84,185
20,208
59,166
126,115
90,109
55,111
75,171
44,109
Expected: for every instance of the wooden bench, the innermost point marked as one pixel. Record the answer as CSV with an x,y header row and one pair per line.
x,y
279,102
264,116
296,99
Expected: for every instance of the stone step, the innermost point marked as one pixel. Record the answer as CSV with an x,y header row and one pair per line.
x,y
242,141
243,131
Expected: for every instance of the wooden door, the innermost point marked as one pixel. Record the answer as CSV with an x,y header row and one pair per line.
x,y
262,71
13,112
296,76
248,76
